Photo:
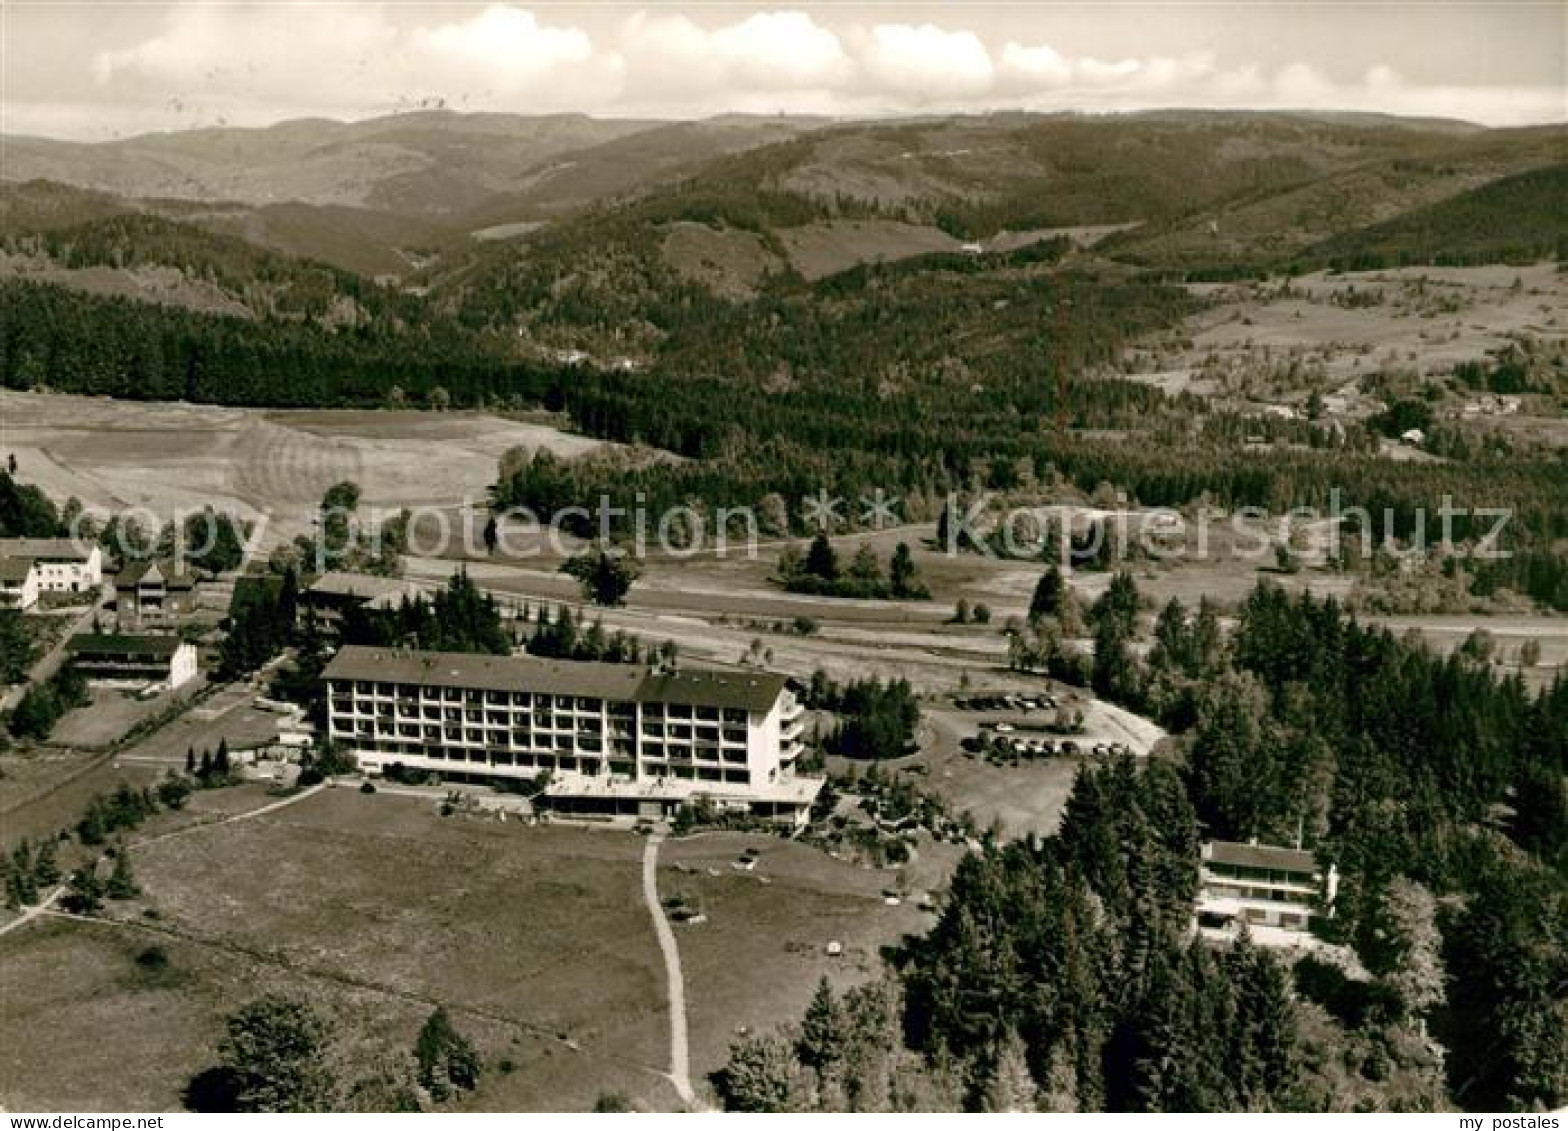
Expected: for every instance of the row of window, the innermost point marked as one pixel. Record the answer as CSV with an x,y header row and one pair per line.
x,y
1242,891
365,708
1267,875
506,759
367,729
407,692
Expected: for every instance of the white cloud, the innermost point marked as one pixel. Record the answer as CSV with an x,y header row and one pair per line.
x,y
250,52
258,62
926,63
671,60
1043,68
358,59
782,51
507,43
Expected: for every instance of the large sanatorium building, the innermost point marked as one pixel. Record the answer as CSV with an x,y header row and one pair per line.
x,y
615,738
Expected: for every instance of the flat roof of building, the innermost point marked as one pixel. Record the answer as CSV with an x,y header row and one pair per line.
x,y
15,569
117,643
1260,856
47,549
790,791
374,589
751,691
484,672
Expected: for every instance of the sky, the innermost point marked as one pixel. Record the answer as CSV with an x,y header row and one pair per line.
x,y
94,71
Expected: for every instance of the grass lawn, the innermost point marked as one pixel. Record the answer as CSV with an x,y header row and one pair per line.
x,y
756,961
376,909
47,789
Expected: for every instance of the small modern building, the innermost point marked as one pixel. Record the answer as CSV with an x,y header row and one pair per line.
x,y
64,565
1263,886
150,593
122,659
18,583
615,739
332,595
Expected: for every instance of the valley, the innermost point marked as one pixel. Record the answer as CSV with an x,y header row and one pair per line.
x,y
782,612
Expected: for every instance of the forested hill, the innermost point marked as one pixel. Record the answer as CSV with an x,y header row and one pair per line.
x,y
1517,219
1062,974
443,196
804,314
117,251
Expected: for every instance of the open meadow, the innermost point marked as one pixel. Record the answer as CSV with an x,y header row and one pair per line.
x,y
169,457
1269,345
376,909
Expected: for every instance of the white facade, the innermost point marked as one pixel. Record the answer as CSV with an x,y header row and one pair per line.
x,y
18,583
122,660
1263,886
63,564
182,666
613,737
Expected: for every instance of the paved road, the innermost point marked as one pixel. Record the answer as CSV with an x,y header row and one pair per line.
x,y
680,1064
30,913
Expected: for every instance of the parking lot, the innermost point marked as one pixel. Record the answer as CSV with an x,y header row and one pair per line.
x,y
1011,728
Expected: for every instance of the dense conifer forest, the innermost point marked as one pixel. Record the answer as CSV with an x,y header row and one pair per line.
x,y
1060,974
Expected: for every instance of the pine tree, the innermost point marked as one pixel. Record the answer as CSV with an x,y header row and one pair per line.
x,y
821,561
1050,592
1010,1087
1419,977
901,572
1265,1062
1059,1093
174,790
445,1058
274,1051
22,857
85,893
822,1035
15,895
46,867
1119,605
122,884
23,876
864,565
756,1077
